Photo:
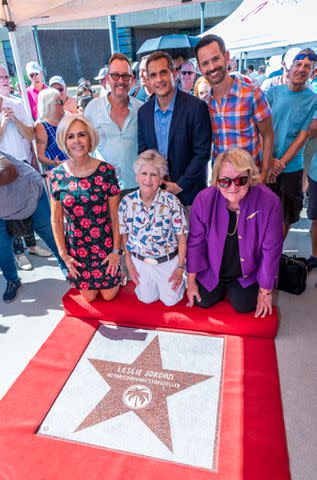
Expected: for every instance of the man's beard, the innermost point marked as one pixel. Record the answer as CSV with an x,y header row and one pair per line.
x,y
222,74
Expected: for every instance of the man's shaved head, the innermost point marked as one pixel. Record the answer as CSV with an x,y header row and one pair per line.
x,y
8,172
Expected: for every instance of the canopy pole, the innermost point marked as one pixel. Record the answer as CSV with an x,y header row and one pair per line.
x,y
240,62
202,17
38,50
245,60
18,66
113,33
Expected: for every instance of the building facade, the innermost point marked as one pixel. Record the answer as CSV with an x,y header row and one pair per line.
x,y
81,48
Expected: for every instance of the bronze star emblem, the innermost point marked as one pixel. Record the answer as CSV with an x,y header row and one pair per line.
x,y
141,387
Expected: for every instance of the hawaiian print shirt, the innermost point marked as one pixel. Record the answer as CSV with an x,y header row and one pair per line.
x,y
152,232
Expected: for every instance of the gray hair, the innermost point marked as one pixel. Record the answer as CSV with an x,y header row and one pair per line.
x,y
151,157
46,106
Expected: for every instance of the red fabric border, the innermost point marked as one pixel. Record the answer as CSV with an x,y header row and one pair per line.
x,y
252,443
126,309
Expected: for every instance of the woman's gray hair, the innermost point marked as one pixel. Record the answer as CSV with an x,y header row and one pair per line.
x,y
151,157
65,124
46,105
241,160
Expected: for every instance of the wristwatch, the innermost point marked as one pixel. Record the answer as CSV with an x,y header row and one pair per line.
x,y
118,252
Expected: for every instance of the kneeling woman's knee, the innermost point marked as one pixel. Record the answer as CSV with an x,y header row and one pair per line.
x,y
243,306
110,293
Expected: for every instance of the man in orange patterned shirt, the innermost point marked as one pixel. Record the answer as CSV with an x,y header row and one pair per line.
x,y
240,114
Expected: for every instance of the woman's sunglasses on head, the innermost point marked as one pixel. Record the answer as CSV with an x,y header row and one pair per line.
x,y
238,181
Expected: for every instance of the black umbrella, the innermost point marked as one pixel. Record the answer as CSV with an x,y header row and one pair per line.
x,y
173,44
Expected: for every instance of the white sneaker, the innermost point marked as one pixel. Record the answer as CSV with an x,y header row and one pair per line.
x,y
40,251
23,262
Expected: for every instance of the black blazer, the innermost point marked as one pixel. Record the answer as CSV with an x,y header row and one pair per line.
x,y
189,142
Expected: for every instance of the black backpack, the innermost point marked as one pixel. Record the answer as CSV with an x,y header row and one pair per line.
x,y
292,274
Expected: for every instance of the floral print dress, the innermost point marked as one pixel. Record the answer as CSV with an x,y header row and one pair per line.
x,y
88,232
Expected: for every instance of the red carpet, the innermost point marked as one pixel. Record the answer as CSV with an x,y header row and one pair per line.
x,y
251,439
126,310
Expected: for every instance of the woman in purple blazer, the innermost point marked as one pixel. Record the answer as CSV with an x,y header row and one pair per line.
x,y
236,238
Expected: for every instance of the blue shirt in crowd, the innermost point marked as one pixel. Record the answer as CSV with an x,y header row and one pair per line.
x,y
162,124
311,156
292,113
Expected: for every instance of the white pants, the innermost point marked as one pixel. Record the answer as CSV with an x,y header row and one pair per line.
x,y
154,284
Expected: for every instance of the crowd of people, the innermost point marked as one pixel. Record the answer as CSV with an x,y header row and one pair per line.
x,y
128,171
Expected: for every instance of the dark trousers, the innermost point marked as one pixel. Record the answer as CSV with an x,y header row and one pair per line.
x,y
243,300
18,246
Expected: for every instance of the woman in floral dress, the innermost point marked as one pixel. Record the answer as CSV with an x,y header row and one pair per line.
x,y
85,192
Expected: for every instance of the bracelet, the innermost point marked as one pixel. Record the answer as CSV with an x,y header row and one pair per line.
x,y
181,267
117,251
265,293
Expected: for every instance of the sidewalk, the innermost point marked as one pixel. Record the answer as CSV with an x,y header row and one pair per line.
x,y
26,323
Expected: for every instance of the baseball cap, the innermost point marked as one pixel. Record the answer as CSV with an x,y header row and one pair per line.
x,y
32,67
56,79
102,73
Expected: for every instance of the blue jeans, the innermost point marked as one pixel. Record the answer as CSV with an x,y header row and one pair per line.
x,y
42,226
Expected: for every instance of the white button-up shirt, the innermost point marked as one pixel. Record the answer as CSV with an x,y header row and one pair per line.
x,y
116,147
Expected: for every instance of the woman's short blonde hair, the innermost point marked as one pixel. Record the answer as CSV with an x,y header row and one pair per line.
x,y
65,124
46,105
241,160
151,157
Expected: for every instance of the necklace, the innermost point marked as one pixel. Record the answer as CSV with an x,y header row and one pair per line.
x,y
236,225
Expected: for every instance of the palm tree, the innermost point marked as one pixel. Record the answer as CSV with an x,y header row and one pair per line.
x,y
139,395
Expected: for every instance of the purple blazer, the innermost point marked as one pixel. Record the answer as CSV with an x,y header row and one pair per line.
x,y
260,236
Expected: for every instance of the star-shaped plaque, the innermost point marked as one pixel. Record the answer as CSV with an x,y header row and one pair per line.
x,y
141,387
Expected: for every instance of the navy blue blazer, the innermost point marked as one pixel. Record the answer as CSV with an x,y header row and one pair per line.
x,y
189,142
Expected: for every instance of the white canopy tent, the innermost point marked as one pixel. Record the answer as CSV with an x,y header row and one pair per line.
x,y
17,13
259,28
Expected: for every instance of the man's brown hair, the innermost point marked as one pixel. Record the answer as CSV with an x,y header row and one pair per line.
x,y
118,56
157,56
207,40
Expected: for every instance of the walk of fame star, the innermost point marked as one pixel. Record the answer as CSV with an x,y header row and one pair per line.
x,y
146,399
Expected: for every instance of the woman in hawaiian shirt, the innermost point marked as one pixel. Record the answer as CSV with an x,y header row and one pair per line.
x,y
153,227
85,192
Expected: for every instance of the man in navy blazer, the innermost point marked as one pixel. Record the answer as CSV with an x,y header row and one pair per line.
x,y
178,125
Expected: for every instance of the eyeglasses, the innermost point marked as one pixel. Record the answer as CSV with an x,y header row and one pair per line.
x,y
311,56
125,76
187,72
34,75
238,181
59,102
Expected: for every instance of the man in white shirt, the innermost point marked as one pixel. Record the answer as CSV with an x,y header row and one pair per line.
x,y
115,117
16,133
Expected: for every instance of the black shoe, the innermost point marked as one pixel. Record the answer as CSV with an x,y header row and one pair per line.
x,y
311,263
11,291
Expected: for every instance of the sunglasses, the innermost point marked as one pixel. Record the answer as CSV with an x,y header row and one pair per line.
x,y
59,102
311,56
187,72
60,89
32,75
238,181
125,76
